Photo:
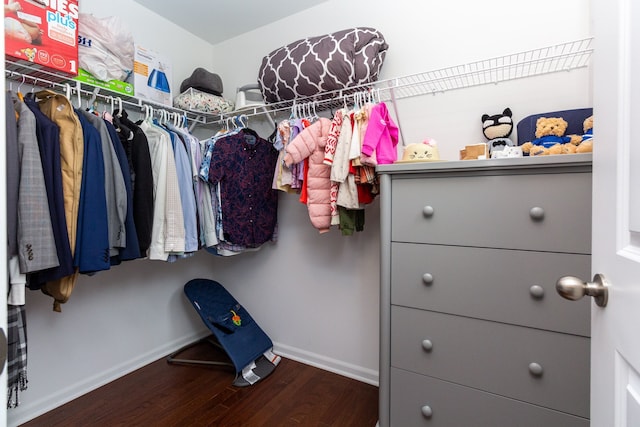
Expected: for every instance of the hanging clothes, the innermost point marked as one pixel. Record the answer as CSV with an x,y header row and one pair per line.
x,y
223,247
340,163
139,157
48,135
114,188
36,244
243,165
381,138
92,249
13,175
283,178
131,250
60,111
185,185
329,153
167,234
310,144
297,169
206,218
16,353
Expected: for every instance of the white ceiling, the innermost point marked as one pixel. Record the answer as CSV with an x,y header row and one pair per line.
x,y
219,20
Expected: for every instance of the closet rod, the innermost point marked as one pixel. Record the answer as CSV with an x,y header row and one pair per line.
x,y
320,102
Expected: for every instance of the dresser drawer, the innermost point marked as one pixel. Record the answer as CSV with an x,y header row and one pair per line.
x,y
509,286
453,405
546,212
494,357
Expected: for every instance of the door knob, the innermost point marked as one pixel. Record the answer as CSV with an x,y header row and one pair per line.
x,y
573,288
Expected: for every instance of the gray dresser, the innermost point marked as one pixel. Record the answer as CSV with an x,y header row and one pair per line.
x,y
473,332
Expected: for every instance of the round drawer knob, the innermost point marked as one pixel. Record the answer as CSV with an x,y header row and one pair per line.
x,y
426,410
537,291
535,369
427,278
427,345
537,213
427,211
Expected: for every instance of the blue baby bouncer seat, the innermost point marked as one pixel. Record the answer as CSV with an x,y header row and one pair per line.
x,y
247,346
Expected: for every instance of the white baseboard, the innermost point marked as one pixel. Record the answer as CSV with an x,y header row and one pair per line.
x,y
339,367
29,410
32,409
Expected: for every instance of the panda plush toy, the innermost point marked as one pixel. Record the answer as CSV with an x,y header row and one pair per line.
x,y
497,129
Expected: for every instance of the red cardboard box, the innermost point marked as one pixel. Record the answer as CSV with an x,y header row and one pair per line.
x,y
44,32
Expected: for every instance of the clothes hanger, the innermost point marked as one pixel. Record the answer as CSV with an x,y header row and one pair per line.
x,y
244,120
112,104
21,83
120,109
90,107
292,115
148,112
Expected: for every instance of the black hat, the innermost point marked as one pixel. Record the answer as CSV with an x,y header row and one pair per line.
x,y
203,80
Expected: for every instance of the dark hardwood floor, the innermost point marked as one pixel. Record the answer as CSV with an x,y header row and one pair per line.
x,y
163,394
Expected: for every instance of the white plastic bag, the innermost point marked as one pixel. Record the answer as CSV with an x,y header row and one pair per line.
x,y
105,47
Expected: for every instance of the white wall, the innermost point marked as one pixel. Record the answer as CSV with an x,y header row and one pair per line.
x,y
431,35
315,295
122,319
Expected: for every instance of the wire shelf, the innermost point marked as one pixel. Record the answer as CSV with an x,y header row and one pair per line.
x,y
23,72
551,59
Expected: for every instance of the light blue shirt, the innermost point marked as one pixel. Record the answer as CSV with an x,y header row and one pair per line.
x,y
187,196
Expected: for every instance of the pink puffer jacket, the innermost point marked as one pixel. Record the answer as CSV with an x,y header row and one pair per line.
x,y
310,143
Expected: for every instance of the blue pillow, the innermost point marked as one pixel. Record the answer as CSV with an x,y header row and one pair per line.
x,y
526,127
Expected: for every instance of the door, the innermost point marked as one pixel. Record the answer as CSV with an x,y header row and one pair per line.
x,y
615,335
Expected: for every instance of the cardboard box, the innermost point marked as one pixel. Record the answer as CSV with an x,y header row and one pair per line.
x,y
152,76
475,151
43,32
116,86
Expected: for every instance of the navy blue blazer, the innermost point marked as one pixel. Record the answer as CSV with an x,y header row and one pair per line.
x,y
92,239
48,134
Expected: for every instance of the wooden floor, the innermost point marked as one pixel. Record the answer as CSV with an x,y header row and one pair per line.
x,y
163,394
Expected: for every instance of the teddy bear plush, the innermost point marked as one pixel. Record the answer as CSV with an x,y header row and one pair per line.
x,y
550,131
497,129
586,140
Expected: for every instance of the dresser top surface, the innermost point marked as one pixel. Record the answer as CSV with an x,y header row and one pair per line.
x,y
570,162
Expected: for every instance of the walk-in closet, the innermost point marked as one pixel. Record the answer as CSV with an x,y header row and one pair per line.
x,y
316,294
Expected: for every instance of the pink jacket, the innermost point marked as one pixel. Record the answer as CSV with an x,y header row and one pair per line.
x,y
381,136
310,143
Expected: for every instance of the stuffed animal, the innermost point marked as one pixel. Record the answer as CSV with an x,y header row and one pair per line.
x,y
507,153
550,131
426,150
497,129
586,143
